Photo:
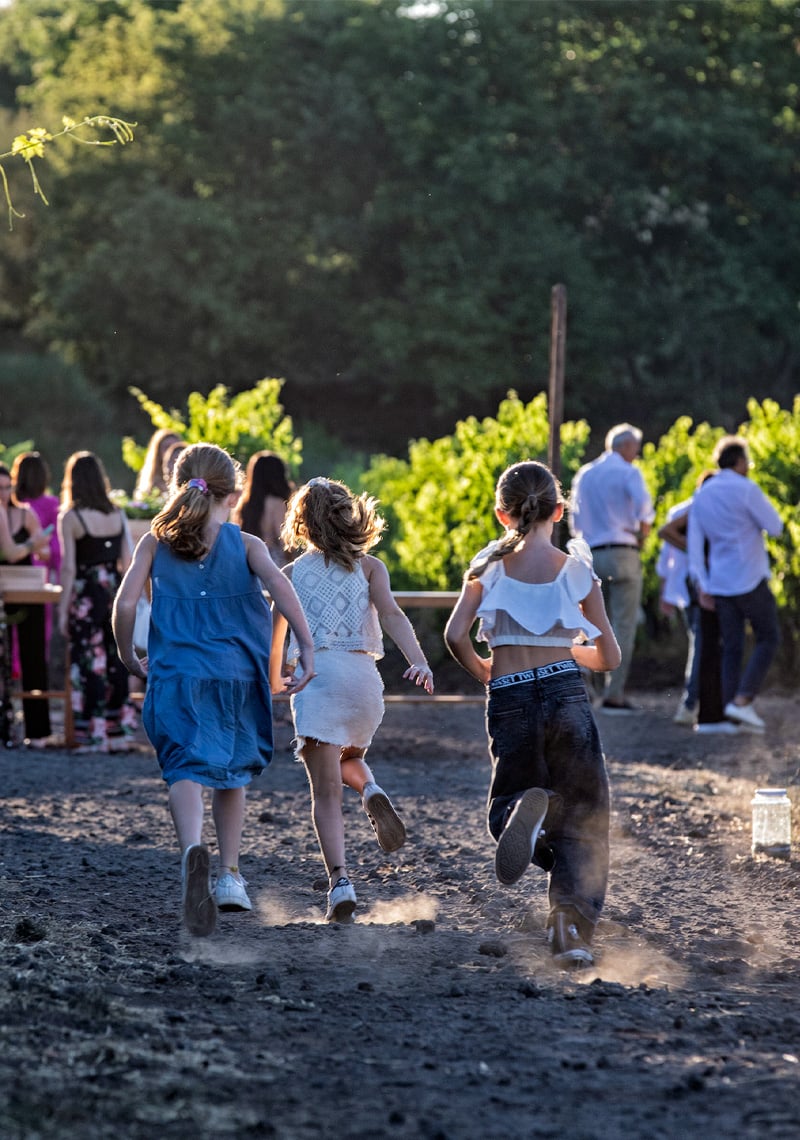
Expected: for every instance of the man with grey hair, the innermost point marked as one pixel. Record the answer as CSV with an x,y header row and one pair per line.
x,y
612,512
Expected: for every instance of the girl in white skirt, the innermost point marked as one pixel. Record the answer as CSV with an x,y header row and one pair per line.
x,y
347,597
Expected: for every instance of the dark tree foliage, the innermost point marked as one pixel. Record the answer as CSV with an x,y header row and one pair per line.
x,y
374,202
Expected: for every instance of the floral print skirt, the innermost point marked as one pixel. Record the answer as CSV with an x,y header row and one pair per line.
x,y
99,679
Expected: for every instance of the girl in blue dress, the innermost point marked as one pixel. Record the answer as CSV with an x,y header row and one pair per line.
x,y
207,708
542,614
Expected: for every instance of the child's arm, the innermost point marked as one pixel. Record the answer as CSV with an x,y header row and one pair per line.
x,y
124,613
286,604
396,624
457,632
67,539
605,653
279,675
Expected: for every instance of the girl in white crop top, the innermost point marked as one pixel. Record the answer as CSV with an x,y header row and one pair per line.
x,y
542,614
347,597
536,604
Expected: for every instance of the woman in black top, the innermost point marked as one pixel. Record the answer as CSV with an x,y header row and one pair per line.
x,y
96,553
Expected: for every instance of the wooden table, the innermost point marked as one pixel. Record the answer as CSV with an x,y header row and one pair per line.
x,y
46,596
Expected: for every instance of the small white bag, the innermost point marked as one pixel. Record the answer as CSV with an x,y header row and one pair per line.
x,y
141,625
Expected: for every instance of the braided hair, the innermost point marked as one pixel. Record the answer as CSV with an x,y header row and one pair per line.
x,y
529,493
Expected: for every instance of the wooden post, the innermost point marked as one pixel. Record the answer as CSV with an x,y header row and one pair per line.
x,y
558,334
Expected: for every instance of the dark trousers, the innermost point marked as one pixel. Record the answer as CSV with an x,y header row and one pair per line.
x,y
542,734
29,623
759,609
709,680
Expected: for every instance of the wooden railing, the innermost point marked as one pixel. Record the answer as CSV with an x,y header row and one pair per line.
x,y
431,599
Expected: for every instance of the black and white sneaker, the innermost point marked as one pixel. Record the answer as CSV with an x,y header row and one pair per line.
x,y
515,845
568,935
386,823
341,901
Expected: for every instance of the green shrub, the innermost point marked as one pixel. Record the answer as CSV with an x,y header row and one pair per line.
x,y
439,504
242,424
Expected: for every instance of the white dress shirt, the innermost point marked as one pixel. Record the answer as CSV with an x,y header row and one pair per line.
x,y
730,513
609,502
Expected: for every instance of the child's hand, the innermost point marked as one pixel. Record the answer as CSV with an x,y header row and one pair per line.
x,y
420,675
292,683
136,666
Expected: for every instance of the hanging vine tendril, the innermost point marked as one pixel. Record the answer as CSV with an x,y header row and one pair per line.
x,y
32,145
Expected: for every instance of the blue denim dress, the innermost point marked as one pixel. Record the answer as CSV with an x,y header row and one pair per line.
x,y
208,709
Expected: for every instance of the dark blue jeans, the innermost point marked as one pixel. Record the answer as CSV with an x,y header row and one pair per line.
x,y
759,608
542,734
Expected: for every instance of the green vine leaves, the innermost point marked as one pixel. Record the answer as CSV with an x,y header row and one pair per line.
x,y
32,145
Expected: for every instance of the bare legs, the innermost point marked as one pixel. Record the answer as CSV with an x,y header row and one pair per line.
x,y
329,767
355,771
323,767
187,810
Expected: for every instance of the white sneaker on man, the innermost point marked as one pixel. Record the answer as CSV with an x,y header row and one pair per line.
x,y
684,715
745,715
720,727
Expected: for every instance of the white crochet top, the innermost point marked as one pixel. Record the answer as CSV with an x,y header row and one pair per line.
x,y
336,603
512,612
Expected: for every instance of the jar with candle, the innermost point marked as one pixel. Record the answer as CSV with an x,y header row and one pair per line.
x,y
772,823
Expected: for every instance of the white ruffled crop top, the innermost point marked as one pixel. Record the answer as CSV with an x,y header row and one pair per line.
x,y
336,603
512,612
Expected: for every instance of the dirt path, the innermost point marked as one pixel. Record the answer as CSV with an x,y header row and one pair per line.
x,y
438,1014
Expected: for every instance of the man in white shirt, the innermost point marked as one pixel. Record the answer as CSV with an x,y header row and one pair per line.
x,y
613,512
730,514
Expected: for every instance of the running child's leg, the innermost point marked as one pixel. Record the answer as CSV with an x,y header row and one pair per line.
x,y
356,773
325,780
228,805
386,823
322,763
186,807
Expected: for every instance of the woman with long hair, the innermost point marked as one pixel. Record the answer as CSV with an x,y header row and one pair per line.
x,y
262,506
96,553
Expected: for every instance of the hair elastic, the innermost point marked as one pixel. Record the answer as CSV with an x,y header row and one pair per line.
x,y
319,481
200,484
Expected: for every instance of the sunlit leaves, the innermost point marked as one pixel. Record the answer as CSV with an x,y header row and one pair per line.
x,y
32,145
439,504
243,423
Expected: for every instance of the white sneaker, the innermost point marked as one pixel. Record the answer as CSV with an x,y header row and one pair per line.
x,y
723,727
745,714
386,823
341,901
229,893
684,715
199,911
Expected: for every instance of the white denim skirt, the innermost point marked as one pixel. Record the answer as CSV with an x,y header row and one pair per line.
x,y
343,704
